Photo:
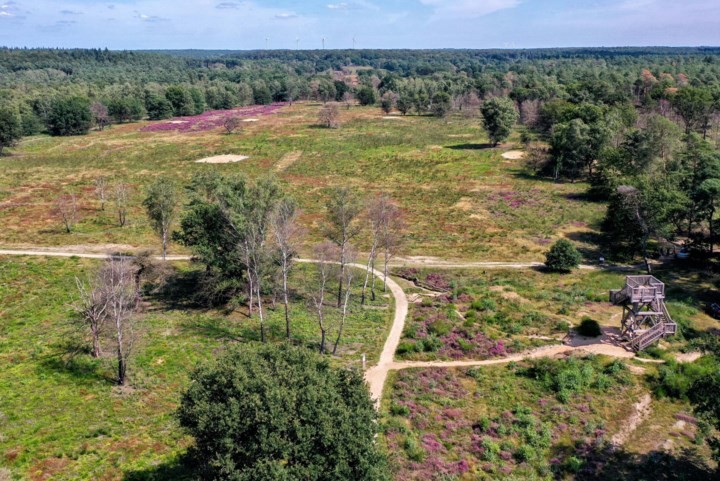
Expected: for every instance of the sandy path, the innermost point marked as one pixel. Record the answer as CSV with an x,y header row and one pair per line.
x,y
641,411
287,160
376,375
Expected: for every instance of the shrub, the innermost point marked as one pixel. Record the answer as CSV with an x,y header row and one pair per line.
x,y
440,327
562,326
562,257
253,407
405,347
525,453
399,410
589,328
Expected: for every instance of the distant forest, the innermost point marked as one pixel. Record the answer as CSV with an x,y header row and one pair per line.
x,y
641,125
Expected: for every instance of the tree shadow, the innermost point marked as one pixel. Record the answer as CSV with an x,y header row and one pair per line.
x,y
470,146
180,291
619,465
73,359
177,470
590,244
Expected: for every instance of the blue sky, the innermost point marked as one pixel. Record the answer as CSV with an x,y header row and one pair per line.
x,y
240,24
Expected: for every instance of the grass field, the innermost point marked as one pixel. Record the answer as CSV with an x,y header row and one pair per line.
x,y
461,199
490,313
61,416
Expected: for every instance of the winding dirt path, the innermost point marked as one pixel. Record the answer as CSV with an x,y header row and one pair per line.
x,y
376,375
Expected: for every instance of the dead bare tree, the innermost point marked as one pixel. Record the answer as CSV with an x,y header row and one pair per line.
x,y
66,209
391,236
232,124
286,232
349,276
93,308
325,254
101,186
348,98
343,207
118,275
121,198
329,116
377,215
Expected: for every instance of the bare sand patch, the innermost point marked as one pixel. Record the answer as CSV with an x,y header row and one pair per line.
x,y
250,120
687,357
177,122
392,117
222,159
464,204
513,155
287,160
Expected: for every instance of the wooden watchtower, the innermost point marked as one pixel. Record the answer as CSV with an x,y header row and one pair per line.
x,y
645,317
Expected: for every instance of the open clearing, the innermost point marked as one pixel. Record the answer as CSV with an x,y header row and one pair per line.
x,y
222,159
513,155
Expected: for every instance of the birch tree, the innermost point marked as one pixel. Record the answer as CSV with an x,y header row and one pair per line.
x,y
325,253
349,277
377,215
101,190
343,208
93,308
286,232
118,276
390,236
161,204
66,208
121,199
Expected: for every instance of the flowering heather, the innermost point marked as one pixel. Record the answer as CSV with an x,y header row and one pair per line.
x,y
211,119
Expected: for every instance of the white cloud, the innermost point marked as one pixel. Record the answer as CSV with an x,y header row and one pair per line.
x,y
469,8
3,13
286,16
338,6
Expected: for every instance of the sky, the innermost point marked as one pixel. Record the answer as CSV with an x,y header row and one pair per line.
x,y
290,24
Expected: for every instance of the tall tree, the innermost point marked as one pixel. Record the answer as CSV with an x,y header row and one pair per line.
x,y
286,231
349,277
695,106
121,199
342,227
161,204
118,276
69,116
325,253
10,127
499,116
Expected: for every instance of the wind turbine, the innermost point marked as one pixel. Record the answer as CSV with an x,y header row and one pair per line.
x,y
297,43
323,43
267,39
354,42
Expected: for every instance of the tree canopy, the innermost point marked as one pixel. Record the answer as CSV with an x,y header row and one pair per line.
x,y
281,413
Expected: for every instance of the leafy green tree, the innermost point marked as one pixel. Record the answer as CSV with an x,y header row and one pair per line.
x,y
126,109
10,127
695,106
157,106
181,100
70,116
404,103
562,257
161,204
499,116
366,95
262,95
281,413
198,98
341,88
441,104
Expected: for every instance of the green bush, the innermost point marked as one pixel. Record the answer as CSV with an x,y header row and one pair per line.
x,y
440,327
255,406
589,328
562,257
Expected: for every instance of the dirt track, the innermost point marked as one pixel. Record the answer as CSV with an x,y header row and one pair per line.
x,y
376,375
